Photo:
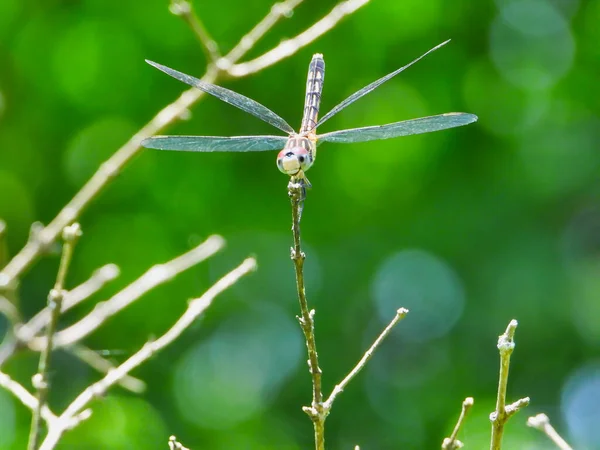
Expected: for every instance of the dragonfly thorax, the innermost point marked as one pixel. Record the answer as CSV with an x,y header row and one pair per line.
x,y
297,155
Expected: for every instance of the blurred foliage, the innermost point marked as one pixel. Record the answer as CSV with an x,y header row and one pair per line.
x,y
469,228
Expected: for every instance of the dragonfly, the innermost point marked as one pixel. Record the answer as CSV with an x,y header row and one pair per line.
x,y
298,150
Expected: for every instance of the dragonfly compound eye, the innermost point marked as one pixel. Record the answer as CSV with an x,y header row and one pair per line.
x,y
291,161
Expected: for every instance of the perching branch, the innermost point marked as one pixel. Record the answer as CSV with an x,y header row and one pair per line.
x,y
400,314
195,308
40,379
500,416
41,240
452,443
316,411
542,422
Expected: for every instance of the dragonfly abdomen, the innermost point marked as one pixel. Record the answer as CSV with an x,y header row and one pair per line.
x,y
314,87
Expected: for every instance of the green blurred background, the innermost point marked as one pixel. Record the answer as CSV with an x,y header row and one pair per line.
x,y
468,228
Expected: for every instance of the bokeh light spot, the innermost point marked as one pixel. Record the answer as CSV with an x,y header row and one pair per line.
x,y
580,405
236,373
502,108
424,284
531,61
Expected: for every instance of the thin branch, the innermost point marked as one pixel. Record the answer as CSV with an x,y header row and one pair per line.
x,y
95,361
156,275
452,443
40,380
174,445
290,46
26,397
339,388
85,290
195,308
316,411
542,422
117,162
500,416
184,9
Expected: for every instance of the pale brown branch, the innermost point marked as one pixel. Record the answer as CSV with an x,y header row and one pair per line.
x,y
339,388
42,239
184,9
102,365
156,275
291,46
500,416
174,445
27,398
542,422
195,308
41,382
25,333
452,443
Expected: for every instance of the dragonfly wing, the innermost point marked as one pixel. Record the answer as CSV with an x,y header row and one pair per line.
x,y
364,91
396,129
228,96
216,143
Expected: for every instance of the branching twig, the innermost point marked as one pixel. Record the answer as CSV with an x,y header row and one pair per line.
x,y
542,422
195,308
95,361
167,116
153,277
400,314
25,397
316,411
291,46
452,443
85,290
174,445
184,9
500,416
40,379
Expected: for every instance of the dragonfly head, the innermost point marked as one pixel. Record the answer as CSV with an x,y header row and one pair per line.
x,y
292,160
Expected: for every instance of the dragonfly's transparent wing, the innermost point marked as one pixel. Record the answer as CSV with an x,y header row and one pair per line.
x,y
364,91
216,143
404,128
228,96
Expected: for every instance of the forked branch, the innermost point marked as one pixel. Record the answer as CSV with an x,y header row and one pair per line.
x,y
542,422
503,412
195,308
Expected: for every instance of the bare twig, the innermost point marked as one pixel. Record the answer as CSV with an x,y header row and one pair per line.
x,y
291,46
40,379
85,290
542,422
153,277
174,445
25,397
400,314
40,241
195,308
500,416
95,361
184,9
316,410
452,443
